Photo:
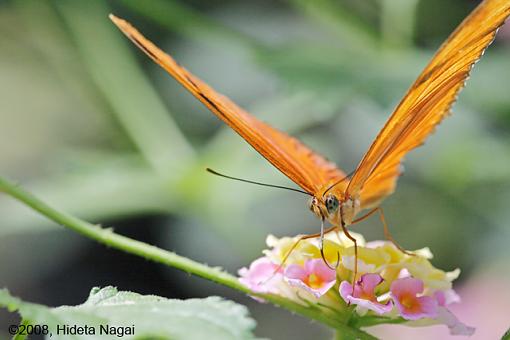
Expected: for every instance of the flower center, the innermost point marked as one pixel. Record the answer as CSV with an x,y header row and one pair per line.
x,y
409,302
314,281
367,296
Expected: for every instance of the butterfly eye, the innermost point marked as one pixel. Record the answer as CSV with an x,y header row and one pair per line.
x,y
331,204
312,203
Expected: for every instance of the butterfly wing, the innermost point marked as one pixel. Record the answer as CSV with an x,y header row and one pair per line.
x,y
426,103
302,165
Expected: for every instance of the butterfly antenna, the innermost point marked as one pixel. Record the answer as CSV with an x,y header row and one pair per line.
x,y
338,182
258,183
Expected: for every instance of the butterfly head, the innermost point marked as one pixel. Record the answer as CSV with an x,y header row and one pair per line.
x,y
325,207
332,204
337,210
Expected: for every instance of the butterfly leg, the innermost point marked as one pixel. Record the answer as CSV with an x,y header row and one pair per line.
x,y
388,235
364,217
385,226
350,237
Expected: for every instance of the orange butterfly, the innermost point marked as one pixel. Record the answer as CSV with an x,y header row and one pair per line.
x,y
336,197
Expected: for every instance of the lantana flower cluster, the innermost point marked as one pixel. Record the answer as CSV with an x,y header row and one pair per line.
x,y
389,282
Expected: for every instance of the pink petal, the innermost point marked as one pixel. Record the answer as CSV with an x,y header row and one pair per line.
x,y
345,291
456,327
319,268
428,306
446,297
368,282
298,276
379,308
261,277
411,314
295,271
406,286
420,307
317,292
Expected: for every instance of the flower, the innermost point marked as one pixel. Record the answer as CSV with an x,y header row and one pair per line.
x,y
411,306
392,285
363,293
369,260
435,279
450,320
261,277
446,297
315,277
281,248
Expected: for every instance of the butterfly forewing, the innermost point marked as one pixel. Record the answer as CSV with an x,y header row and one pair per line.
x,y
426,103
309,170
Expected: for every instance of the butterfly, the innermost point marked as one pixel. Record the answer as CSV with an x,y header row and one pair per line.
x,y
335,196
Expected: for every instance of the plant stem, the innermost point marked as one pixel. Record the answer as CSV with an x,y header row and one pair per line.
x,y
338,335
108,237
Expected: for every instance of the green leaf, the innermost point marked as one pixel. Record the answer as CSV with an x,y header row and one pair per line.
x,y
148,316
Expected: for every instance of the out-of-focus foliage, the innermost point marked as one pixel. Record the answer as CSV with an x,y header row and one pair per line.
x,y
95,128
106,311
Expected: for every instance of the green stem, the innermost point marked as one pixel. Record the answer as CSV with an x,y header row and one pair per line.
x,y
338,335
108,237
373,320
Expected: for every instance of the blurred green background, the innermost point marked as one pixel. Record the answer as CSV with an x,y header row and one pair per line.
x,y
93,127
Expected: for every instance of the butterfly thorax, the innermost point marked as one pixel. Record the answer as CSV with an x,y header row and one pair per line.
x,y
349,208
